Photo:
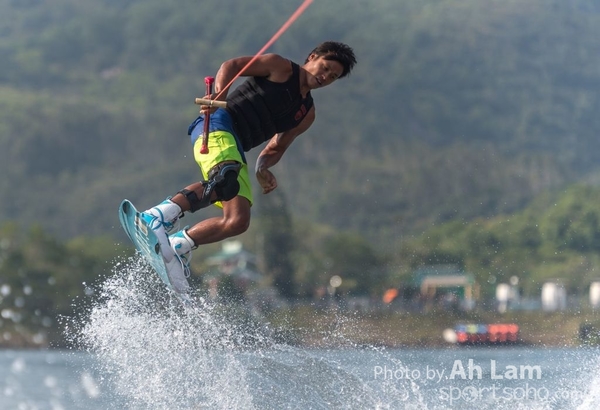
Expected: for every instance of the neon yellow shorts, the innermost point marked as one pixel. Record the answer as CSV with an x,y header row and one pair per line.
x,y
222,147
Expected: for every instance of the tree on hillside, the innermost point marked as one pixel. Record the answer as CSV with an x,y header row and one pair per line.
x,y
277,242
356,262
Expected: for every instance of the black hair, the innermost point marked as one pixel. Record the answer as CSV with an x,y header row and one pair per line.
x,y
336,51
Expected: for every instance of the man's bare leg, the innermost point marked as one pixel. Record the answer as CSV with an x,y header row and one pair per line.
x,y
235,221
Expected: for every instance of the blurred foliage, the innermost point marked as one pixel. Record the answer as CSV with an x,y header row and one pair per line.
x,y
277,240
461,122
465,108
41,278
556,237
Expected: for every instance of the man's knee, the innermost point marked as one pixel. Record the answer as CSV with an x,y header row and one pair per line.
x,y
228,186
222,185
223,178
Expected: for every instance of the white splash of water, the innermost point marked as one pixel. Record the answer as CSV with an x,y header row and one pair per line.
x,y
157,352
591,400
160,353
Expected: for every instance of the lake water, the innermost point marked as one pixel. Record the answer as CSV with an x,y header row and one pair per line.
x,y
308,379
143,349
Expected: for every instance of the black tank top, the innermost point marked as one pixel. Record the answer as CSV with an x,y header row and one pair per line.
x,y
261,108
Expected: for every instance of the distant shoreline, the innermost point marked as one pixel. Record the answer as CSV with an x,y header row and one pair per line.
x,y
326,328
402,330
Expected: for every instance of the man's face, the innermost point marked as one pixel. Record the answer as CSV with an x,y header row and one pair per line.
x,y
323,72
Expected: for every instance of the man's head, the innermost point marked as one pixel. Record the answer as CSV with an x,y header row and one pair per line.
x,y
340,52
330,61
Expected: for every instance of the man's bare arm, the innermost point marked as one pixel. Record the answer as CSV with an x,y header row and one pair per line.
x,y
272,66
275,149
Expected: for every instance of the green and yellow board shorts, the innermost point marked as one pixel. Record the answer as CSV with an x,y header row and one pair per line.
x,y
222,147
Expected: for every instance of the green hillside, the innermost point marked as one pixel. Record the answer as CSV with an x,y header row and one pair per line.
x,y
457,108
556,237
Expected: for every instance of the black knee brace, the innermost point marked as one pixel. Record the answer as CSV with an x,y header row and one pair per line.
x,y
222,179
225,180
228,187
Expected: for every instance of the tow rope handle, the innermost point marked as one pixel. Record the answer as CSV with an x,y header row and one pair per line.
x,y
209,81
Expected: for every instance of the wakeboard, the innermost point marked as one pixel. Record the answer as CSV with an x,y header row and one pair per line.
x,y
156,251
